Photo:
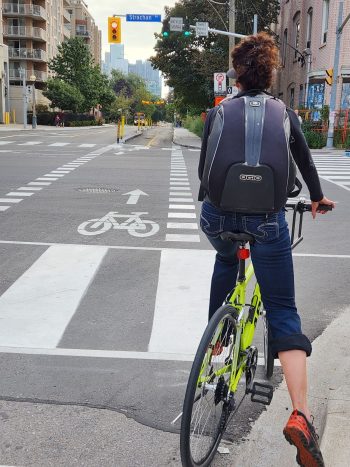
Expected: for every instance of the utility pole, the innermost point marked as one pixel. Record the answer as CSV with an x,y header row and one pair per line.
x,y
232,28
332,104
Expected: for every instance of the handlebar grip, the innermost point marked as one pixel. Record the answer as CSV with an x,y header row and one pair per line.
x,y
321,207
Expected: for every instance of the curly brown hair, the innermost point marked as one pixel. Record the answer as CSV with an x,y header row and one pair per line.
x,y
254,60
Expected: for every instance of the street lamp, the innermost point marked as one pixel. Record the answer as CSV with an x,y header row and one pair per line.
x,y
32,79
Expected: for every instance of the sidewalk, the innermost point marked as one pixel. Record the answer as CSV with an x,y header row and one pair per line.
x,y
329,397
184,137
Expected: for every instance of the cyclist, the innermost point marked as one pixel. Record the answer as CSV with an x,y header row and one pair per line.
x,y
255,60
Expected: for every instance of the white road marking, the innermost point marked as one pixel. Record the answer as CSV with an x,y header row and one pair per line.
x,y
30,143
184,281
184,215
51,179
60,171
179,183
69,169
36,309
178,179
182,225
179,188
182,206
39,183
180,193
4,208
25,188
338,177
181,200
53,175
14,193
59,144
86,145
2,143
10,200
182,238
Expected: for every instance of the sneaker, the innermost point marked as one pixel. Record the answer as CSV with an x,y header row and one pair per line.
x,y
300,433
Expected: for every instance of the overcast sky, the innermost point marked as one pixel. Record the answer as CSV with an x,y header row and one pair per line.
x,y
138,38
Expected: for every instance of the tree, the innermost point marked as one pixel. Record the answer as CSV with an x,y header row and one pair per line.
x,y
188,63
74,66
64,95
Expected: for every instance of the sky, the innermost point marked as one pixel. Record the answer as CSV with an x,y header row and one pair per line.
x,y
138,38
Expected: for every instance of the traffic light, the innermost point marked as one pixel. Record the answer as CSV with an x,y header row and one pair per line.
x,y
329,77
186,30
114,30
166,28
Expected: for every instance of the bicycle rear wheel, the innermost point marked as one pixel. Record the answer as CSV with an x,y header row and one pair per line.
x,y
207,405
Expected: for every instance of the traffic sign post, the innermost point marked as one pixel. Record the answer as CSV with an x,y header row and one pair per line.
x,y
202,29
176,24
219,83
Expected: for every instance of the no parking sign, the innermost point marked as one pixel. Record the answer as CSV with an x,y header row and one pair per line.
x,y
220,83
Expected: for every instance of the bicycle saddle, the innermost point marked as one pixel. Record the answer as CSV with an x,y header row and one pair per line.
x,y
238,237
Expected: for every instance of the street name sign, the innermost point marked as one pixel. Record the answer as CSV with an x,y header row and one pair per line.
x,y
202,28
144,18
176,24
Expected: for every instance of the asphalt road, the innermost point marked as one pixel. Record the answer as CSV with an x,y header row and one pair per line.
x,y
101,307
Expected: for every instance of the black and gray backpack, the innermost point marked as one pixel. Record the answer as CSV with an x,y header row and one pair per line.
x,y
249,167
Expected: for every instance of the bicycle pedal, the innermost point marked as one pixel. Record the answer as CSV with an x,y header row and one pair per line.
x,y
262,393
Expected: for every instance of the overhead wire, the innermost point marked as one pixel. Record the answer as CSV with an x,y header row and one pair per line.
x,y
219,15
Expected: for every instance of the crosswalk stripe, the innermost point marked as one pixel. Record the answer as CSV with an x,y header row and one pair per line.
x,y
15,193
2,143
4,208
39,183
182,206
182,238
35,312
59,144
30,143
10,200
174,188
181,200
189,271
32,188
51,179
182,215
180,193
182,225
86,145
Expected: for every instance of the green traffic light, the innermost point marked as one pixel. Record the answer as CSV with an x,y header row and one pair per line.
x,y
165,34
187,33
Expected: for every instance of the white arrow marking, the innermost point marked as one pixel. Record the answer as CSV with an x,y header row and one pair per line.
x,y
134,196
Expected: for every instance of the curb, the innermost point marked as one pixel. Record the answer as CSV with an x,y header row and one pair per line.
x,y
186,145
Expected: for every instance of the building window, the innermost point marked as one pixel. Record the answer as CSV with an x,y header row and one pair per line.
x,y
296,22
284,47
309,28
325,17
301,96
291,100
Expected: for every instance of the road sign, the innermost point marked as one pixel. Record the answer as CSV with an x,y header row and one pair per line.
x,y
144,18
232,91
176,24
220,83
202,28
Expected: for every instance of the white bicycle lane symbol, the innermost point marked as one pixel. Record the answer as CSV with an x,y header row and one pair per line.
x,y
133,223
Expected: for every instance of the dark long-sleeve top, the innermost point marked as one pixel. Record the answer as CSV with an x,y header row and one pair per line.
x,y
298,146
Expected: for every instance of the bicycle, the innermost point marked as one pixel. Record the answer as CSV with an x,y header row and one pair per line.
x,y
133,223
225,354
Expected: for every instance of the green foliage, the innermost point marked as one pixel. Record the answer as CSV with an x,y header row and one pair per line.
x,y
188,63
74,66
325,113
63,95
315,139
194,124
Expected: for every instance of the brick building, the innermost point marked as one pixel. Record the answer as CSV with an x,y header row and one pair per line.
x,y
307,31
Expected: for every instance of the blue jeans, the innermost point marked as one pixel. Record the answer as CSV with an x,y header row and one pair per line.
x,y
273,265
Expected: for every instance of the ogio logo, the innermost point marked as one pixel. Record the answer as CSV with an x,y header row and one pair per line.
x,y
250,178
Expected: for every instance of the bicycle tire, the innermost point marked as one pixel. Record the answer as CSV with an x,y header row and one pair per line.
x,y
187,455
269,361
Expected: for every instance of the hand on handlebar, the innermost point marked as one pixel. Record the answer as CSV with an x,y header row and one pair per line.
x,y
315,204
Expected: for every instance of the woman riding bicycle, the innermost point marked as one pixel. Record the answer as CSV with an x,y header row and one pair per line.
x,y
234,132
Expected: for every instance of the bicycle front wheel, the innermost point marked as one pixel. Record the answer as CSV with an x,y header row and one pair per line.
x,y
206,406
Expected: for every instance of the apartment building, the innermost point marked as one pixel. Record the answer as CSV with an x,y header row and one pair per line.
x,y
4,84
307,31
83,25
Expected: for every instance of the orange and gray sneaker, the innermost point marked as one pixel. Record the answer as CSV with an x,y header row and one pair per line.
x,y
300,433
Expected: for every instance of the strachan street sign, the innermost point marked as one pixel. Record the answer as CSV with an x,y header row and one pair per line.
x,y
202,28
144,18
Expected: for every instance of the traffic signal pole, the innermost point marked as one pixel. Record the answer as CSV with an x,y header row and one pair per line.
x,y
232,28
332,104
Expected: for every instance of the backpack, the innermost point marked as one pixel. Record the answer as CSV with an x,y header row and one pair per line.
x,y
249,166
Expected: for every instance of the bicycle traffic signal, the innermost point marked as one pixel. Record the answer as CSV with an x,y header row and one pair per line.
x,y
114,30
329,77
166,28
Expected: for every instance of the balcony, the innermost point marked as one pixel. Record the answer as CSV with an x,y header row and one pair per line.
x,y
37,55
66,16
15,75
26,9
38,34
66,32
85,34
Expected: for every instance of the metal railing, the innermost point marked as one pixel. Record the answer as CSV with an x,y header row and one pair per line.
x,y
82,33
25,31
25,9
30,54
15,75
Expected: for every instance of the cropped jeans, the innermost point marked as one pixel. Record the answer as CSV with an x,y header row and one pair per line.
x,y
273,266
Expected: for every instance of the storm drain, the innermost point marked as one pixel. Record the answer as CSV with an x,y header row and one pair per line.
x,y
98,190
